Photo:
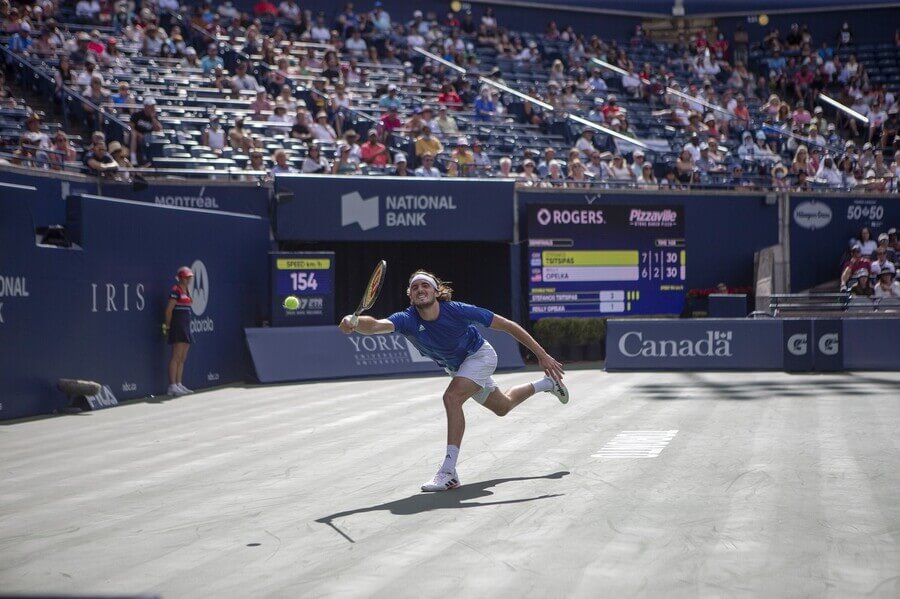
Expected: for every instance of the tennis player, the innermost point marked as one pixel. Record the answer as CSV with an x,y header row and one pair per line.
x,y
444,331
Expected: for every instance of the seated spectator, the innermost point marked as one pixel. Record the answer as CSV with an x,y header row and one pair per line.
x,y
481,161
213,135
321,131
829,174
637,163
280,114
143,124
281,165
860,284
427,169
856,261
577,175
261,102
801,163
445,122
684,167
619,170
212,59
887,287
884,243
373,152
120,155
242,80
485,109
99,162
647,180
779,178
881,258
463,157
427,143
390,121
351,137
190,60
738,179
256,162
867,245
62,151
449,97
505,171
342,164
543,167
315,162
585,143
401,168
528,176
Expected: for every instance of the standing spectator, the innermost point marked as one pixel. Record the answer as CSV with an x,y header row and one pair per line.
x,y
867,245
427,169
177,328
143,124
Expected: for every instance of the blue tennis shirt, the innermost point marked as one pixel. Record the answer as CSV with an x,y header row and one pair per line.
x,y
448,340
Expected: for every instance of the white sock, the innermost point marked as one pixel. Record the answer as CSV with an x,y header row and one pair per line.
x,y
545,384
449,464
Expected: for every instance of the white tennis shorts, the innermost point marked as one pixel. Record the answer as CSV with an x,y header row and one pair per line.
x,y
479,367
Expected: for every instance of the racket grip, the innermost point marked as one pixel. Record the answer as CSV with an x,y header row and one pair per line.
x,y
354,320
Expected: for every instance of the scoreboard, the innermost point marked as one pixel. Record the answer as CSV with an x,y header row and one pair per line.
x,y
605,260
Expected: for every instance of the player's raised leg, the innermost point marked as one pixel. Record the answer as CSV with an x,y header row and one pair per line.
x,y
502,403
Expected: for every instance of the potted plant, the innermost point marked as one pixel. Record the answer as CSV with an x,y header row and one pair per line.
x,y
595,339
549,333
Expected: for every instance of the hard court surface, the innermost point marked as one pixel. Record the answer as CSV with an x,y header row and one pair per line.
x,y
774,485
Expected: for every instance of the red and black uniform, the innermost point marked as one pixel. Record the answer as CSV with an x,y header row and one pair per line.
x,y
180,327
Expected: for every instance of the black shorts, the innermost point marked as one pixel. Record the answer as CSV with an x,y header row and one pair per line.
x,y
180,329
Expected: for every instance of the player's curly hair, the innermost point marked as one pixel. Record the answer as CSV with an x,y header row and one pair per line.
x,y
444,291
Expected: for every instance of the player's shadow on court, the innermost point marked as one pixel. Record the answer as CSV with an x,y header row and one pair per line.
x,y
448,500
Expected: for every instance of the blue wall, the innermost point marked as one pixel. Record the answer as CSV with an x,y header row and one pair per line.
x,y
94,312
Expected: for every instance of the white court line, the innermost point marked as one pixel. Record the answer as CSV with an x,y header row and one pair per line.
x,y
636,444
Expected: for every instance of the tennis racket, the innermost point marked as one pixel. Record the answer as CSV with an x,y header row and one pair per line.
x,y
372,291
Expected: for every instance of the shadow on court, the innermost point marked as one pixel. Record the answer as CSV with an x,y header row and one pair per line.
x,y
447,500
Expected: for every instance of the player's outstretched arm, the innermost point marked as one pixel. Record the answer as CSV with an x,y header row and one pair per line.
x,y
366,325
551,367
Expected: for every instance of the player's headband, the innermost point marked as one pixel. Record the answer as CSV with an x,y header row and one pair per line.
x,y
423,277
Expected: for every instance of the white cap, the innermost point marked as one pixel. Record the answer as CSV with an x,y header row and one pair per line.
x,y
637,153
417,13
399,157
149,101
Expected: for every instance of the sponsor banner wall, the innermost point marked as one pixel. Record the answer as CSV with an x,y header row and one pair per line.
x,y
701,344
723,230
798,342
393,209
870,343
95,311
323,352
240,198
48,205
822,226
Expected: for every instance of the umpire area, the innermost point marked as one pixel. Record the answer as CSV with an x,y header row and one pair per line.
x,y
674,484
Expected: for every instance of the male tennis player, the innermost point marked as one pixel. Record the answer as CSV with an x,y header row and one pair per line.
x,y
444,331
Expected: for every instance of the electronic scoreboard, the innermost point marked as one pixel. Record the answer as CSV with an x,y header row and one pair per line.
x,y
605,260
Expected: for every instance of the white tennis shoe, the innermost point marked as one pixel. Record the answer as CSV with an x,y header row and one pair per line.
x,y
442,481
175,391
184,390
560,391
